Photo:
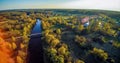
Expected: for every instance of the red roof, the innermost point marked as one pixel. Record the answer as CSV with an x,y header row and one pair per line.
x,y
84,20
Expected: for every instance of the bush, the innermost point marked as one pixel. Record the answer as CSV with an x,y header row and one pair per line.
x,y
22,54
100,53
116,44
51,51
54,42
60,59
14,46
19,59
79,61
52,54
80,39
49,38
58,31
62,50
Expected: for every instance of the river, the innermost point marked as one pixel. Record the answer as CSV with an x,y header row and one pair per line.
x,y
35,50
37,27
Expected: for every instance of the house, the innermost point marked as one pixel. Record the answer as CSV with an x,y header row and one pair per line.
x,y
86,24
85,21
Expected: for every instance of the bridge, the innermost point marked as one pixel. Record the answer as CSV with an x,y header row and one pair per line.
x,y
31,35
35,34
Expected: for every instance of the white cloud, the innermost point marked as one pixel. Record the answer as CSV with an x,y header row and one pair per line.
x,y
93,4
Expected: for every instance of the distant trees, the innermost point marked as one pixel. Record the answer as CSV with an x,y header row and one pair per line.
x,y
108,30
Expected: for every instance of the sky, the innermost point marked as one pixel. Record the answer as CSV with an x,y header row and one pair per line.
x,y
60,4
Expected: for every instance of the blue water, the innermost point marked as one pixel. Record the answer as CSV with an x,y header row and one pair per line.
x,y
37,27
35,49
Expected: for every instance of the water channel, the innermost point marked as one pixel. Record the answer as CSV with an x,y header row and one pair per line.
x,y
35,50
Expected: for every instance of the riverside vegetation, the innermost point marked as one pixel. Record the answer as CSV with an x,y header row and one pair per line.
x,y
69,36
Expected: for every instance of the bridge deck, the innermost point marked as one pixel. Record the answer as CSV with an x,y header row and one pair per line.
x,y
30,35
35,34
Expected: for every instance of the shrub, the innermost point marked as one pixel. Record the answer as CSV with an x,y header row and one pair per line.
x,y
54,42
19,59
22,54
100,53
80,39
116,44
62,50
14,46
79,61
49,38
58,31
60,59
51,51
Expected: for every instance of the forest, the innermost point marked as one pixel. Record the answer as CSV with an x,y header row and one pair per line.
x,y
68,35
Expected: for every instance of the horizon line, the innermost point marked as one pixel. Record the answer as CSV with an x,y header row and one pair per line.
x,y
60,8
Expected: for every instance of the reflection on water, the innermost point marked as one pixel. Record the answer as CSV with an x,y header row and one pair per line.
x,y
37,27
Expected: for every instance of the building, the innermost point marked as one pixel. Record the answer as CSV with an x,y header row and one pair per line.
x,y
85,21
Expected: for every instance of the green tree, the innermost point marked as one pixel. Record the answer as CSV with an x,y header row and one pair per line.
x,y
62,50
80,27
49,38
60,59
80,39
79,61
19,59
100,53
14,46
58,31
54,42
